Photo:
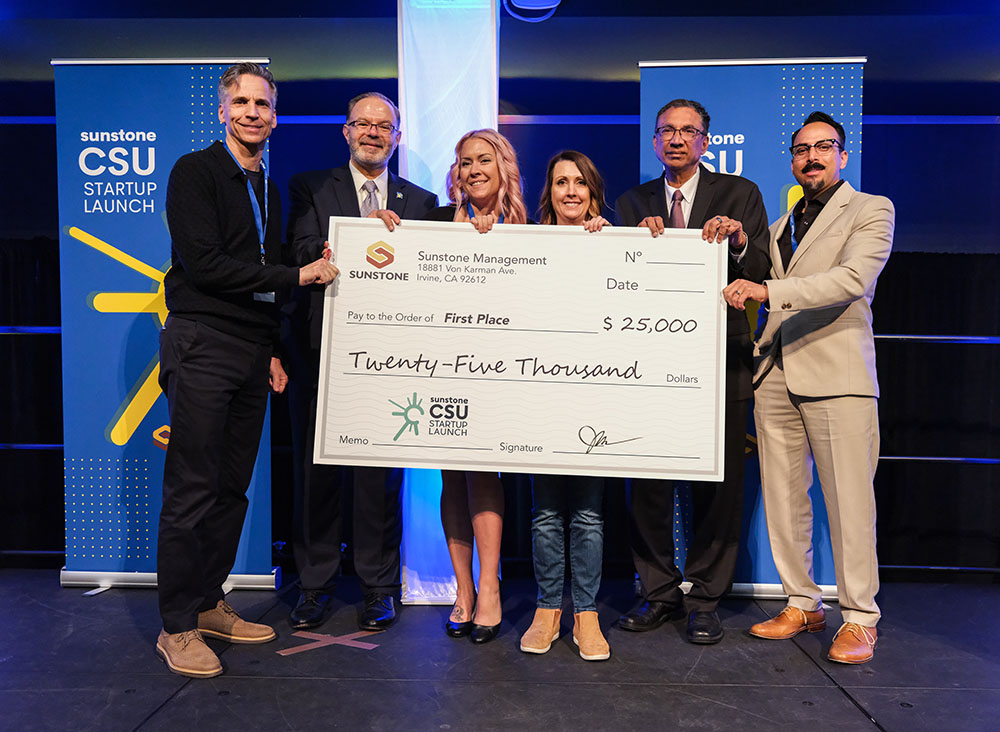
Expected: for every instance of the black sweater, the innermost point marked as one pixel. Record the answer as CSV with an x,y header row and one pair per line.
x,y
215,250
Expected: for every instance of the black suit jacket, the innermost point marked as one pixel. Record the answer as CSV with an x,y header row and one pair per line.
x,y
316,196
717,195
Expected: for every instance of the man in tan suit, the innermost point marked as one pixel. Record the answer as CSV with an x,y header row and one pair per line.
x,y
816,389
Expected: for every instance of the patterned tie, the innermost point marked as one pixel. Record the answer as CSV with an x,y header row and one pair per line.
x,y
795,237
371,201
676,212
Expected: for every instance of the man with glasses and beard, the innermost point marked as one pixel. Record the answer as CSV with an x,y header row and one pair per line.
x,y
359,188
816,389
727,209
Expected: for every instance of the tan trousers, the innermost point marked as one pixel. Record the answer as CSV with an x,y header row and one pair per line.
x,y
841,435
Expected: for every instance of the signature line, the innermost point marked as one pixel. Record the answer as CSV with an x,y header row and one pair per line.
x,y
626,454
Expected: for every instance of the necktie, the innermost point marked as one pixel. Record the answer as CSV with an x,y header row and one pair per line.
x,y
788,246
676,212
371,201
801,227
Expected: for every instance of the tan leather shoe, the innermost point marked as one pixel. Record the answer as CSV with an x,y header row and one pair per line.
x,y
225,623
853,644
186,654
789,623
543,630
588,636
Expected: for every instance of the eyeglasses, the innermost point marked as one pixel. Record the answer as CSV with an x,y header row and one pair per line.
x,y
687,133
363,126
823,147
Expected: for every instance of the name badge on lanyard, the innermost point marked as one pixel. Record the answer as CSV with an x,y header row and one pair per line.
x,y
258,217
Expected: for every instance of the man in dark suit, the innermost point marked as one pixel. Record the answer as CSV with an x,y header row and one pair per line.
x,y
727,208
359,188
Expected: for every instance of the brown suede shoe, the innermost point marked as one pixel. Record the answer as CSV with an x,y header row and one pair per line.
x,y
543,630
588,636
186,654
223,622
789,623
853,644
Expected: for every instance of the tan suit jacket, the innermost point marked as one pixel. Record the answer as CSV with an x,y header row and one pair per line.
x,y
820,317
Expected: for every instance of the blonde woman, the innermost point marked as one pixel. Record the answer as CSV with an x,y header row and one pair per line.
x,y
484,187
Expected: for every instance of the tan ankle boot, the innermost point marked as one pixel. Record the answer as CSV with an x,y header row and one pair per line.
x,y
543,630
588,636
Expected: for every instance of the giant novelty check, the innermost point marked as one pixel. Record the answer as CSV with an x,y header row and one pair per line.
x,y
537,349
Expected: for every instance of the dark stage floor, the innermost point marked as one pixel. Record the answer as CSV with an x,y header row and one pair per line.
x,y
72,662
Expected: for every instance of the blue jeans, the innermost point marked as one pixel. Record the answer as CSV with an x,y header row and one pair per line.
x,y
556,499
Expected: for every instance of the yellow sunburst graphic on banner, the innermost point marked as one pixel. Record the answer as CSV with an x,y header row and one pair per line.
x,y
146,390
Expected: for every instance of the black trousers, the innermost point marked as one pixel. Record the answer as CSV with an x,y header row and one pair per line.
x,y
716,520
376,497
216,386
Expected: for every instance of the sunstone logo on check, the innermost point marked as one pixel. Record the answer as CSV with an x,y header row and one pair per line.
x,y
447,416
379,255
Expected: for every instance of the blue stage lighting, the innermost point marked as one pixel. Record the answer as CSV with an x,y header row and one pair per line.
x,y
533,5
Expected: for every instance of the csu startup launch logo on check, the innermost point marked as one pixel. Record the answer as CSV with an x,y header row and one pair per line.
x,y
411,413
448,416
380,255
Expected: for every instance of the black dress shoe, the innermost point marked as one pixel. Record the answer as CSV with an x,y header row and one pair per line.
x,y
379,612
648,616
704,628
484,633
312,610
458,630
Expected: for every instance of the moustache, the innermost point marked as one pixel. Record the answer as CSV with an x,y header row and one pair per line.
x,y
810,166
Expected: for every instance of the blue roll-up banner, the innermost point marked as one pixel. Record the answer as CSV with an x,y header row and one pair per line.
x,y
755,105
120,126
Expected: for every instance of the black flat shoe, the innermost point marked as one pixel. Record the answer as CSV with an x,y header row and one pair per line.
x,y
484,633
648,615
379,612
312,609
704,628
458,630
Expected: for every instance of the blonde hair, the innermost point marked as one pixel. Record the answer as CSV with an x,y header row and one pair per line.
x,y
510,196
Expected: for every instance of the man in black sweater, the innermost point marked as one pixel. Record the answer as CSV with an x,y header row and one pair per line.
x,y
216,359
